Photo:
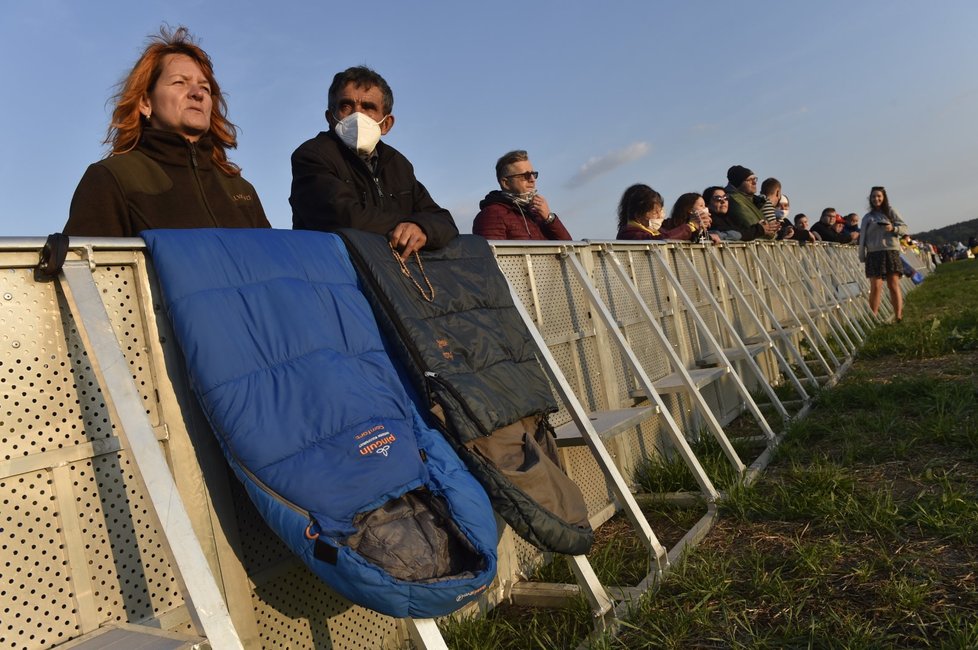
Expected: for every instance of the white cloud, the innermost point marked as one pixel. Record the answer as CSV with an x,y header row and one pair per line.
x,y
599,165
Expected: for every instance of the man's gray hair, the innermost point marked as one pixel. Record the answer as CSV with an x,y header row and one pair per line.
x,y
507,159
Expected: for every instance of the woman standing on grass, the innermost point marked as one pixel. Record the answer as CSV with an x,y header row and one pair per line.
x,y
879,248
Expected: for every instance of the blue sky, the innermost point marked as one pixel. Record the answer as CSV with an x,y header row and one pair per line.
x,y
829,97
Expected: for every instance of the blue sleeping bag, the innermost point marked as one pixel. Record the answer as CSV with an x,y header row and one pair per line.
x,y
286,359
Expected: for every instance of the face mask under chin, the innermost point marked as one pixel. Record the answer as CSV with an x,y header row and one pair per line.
x,y
523,199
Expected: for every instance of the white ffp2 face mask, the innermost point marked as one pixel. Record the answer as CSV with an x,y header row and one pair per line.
x,y
359,132
655,224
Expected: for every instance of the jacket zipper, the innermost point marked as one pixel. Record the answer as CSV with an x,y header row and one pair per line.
x,y
200,186
388,308
458,398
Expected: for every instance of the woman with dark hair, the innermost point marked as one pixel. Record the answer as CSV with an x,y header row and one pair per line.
x,y
641,213
879,248
690,212
718,203
168,165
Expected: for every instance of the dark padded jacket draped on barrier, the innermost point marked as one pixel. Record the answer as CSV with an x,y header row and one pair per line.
x,y
471,357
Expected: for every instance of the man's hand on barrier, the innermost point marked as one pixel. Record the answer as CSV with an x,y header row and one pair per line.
x,y
408,238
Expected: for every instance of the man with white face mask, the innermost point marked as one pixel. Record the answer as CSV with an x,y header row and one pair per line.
x,y
516,210
347,178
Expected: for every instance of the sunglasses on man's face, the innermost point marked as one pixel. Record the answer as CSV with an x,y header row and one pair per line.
x,y
526,176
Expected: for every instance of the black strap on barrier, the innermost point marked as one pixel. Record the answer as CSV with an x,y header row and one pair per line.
x,y
53,255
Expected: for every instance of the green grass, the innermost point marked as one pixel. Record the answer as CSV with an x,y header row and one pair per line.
x,y
861,533
941,319
508,626
658,474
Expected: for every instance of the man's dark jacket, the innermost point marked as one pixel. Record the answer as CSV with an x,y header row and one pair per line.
x,y
333,188
827,233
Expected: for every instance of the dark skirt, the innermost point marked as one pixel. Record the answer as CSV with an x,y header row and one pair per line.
x,y
881,264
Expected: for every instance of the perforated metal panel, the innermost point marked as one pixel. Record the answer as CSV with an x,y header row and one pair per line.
x,y
42,373
514,267
297,612
561,313
738,264
582,467
685,331
37,608
625,311
133,579
88,552
121,297
261,549
653,286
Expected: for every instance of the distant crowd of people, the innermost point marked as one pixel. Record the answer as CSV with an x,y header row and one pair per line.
x,y
950,252
736,212
168,168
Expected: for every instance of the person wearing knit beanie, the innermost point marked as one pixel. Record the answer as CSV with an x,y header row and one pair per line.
x,y
744,211
737,174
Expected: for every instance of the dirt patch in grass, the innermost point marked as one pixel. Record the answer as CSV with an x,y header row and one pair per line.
x,y
962,365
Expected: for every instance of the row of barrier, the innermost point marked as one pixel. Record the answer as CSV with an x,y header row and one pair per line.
x,y
648,347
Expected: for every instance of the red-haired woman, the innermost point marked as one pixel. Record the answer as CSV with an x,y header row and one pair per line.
x,y
168,167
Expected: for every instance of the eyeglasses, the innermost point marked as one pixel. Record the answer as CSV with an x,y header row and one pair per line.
x,y
752,179
526,176
721,199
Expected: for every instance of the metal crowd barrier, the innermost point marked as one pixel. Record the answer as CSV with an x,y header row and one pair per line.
x,y
649,347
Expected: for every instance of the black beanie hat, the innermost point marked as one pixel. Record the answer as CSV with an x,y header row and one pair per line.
x,y
737,175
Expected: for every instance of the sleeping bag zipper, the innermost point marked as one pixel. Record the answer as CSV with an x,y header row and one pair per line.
x,y
270,492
